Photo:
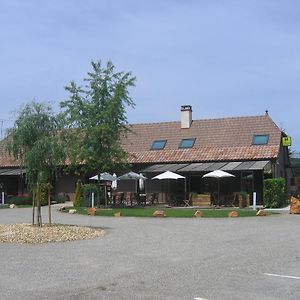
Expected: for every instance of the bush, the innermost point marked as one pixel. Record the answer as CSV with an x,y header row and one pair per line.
x,y
87,190
60,199
43,194
78,194
274,193
20,200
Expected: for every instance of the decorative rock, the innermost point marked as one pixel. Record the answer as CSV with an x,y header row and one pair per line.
x,y
294,205
12,206
261,213
159,214
198,214
118,214
233,214
91,211
62,208
72,211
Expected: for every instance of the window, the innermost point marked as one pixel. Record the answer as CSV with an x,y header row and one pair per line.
x,y
158,145
187,143
260,139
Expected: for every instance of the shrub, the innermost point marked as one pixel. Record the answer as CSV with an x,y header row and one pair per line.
x,y
60,199
43,194
20,200
274,193
87,190
78,195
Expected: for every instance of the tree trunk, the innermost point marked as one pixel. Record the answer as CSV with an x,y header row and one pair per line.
x,y
49,203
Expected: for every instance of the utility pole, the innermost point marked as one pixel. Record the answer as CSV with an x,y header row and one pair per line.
x,y
2,127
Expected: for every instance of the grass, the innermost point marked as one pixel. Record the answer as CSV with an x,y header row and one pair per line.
x,y
174,213
4,206
17,206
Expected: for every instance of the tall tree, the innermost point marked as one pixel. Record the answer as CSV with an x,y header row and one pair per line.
x,y
98,112
35,141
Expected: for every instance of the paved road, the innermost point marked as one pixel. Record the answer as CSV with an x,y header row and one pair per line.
x,y
145,258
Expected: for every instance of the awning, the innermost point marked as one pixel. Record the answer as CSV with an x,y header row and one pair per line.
x,y
211,166
164,167
12,172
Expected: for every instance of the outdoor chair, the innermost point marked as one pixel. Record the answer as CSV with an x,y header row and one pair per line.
x,y
153,198
119,198
187,202
128,198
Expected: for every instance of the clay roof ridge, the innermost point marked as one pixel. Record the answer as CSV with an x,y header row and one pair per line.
x,y
205,119
151,123
275,125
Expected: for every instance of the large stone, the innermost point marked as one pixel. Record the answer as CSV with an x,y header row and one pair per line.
x,y
294,205
62,208
261,213
233,214
118,214
91,211
72,211
159,214
198,214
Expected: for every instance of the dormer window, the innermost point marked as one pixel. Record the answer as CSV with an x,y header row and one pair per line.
x,y
187,143
158,145
261,139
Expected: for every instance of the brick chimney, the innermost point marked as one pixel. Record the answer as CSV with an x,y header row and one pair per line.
x,y
186,116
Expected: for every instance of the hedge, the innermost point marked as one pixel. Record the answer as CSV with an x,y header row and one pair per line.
x,y
274,193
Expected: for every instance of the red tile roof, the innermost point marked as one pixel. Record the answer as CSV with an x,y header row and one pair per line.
x,y
216,140
6,160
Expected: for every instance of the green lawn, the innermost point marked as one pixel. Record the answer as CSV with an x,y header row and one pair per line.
x,y
175,213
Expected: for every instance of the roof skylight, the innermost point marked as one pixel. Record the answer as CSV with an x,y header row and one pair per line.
x,y
187,143
158,145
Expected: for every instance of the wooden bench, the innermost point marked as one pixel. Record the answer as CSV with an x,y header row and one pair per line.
x,y
200,200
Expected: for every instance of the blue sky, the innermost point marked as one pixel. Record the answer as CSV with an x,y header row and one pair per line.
x,y
225,58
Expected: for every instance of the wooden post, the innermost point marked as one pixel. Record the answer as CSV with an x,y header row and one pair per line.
x,y
218,192
49,203
93,199
254,200
33,206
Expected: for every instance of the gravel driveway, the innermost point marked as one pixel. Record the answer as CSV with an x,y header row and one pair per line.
x,y
145,258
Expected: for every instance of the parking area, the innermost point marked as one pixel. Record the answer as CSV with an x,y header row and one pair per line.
x,y
147,258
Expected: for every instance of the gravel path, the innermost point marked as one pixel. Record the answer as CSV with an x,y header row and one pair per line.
x,y
147,258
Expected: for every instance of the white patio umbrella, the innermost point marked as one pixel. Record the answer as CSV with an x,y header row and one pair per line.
x,y
105,177
169,175
141,183
132,176
114,184
218,174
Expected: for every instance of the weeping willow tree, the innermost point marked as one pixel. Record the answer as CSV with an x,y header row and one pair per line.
x,y
35,142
